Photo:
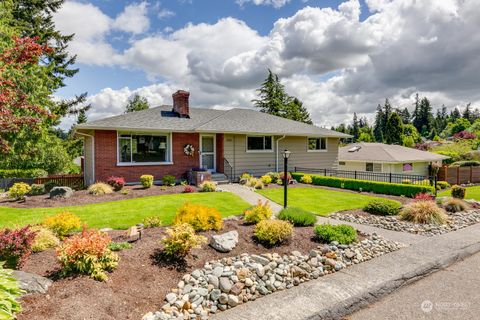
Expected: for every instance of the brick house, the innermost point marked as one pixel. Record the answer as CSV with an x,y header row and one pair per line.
x,y
175,139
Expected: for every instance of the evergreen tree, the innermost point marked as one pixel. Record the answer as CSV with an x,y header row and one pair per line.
x,y
136,103
82,117
295,110
394,129
404,114
355,132
423,118
378,126
454,115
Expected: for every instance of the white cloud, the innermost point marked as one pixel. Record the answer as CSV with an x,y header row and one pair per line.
x,y
165,13
133,19
273,3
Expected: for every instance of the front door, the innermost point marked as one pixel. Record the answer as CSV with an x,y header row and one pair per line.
x,y
207,152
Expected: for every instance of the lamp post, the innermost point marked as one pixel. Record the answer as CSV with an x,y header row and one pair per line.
x,y
286,155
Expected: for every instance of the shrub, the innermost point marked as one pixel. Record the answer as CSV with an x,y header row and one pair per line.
x,y
37,190
9,294
280,182
258,213
266,179
117,183
62,223
146,180
306,179
259,185
383,207
208,186
201,218
125,192
49,185
298,217
189,189
408,190
16,246
251,182
458,192
44,239
274,175
22,173
282,176
424,182
273,232
180,239
168,180
443,184
245,176
152,222
100,188
454,205
19,190
406,181
118,246
466,163
423,212
87,253
342,233
423,197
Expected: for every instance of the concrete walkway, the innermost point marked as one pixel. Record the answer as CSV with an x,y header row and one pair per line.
x,y
340,294
250,196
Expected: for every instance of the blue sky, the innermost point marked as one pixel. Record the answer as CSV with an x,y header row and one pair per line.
x,y
338,57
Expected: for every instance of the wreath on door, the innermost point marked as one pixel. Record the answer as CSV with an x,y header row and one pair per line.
x,y
189,150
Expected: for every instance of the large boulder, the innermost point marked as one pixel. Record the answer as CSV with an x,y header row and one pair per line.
x,y
61,192
32,283
225,242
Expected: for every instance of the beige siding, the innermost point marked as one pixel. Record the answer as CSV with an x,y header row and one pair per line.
x,y
419,168
235,151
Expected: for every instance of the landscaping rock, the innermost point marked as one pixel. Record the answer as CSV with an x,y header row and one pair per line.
x,y
225,284
32,283
61,192
224,242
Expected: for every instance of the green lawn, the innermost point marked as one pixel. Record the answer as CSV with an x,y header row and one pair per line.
x,y
471,193
316,200
125,213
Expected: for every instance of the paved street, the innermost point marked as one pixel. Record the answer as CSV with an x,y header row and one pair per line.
x,y
452,293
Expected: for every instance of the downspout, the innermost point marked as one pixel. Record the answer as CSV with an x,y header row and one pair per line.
x,y
93,152
276,154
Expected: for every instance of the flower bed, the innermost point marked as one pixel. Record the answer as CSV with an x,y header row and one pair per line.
x,y
227,282
455,221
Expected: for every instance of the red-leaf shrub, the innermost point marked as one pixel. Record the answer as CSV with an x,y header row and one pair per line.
x,y
117,183
16,246
464,135
282,176
423,197
189,189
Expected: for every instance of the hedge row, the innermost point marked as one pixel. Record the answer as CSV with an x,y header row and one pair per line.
x,y
22,173
395,189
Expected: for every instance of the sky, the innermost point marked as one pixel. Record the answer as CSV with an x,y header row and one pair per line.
x,y
338,57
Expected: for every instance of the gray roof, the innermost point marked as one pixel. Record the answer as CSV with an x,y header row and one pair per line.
x,y
380,152
209,120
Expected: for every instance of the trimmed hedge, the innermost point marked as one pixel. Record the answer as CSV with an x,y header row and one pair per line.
x,y
22,173
383,207
395,189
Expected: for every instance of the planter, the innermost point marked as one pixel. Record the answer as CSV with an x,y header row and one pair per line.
x,y
198,177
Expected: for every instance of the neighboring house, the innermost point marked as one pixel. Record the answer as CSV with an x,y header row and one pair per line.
x,y
379,157
158,140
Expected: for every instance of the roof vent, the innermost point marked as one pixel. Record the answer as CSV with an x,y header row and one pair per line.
x,y
354,149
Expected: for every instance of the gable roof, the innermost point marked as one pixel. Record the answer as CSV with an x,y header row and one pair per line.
x,y
380,152
245,121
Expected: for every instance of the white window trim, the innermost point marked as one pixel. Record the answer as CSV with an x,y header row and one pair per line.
x,y
373,167
320,150
258,151
135,164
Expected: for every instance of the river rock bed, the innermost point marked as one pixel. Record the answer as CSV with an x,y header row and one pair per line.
x,y
226,283
456,221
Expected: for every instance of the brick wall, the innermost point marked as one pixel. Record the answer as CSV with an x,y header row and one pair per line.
x,y
106,158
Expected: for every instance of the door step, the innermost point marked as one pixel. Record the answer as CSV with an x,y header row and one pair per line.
x,y
220,178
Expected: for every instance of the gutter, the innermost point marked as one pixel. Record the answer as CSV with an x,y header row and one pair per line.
x,y
276,153
93,152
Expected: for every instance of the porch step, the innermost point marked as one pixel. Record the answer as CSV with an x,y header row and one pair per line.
x,y
220,178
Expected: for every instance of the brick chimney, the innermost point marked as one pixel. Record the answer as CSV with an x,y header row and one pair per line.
x,y
180,103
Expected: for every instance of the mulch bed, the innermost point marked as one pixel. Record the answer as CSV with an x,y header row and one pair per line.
x,y
82,197
140,282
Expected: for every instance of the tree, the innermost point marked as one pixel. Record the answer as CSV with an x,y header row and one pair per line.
x,y
295,110
378,126
394,129
454,115
404,114
365,137
410,130
423,117
82,117
136,103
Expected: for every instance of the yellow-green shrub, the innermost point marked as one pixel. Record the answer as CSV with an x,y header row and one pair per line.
x,y
273,232
252,182
201,218
259,185
180,239
266,179
258,213
152,222
19,190
100,188
423,212
62,223
208,186
306,179
44,239
146,180
458,192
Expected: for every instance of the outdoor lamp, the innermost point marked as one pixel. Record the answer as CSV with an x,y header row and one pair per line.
x,y
286,155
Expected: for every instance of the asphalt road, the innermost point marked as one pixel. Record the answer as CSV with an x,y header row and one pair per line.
x,y
452,293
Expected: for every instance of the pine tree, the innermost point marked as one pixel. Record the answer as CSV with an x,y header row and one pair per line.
x,y
394,129
404,114
423,118
295,110
454,115
82,117
378,126
355,132
136,103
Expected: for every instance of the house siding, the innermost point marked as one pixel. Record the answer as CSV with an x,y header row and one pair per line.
x,y
419,168
106,158
235,151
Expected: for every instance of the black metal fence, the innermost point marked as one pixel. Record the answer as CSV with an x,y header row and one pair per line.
x,y
373,176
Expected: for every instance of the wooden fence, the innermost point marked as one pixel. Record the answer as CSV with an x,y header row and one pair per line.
x,y
459,175
74,181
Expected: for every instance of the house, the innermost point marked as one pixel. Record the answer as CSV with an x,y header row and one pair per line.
x,y
174,139
380,157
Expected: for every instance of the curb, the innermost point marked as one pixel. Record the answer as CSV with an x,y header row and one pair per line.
x,y
340,294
